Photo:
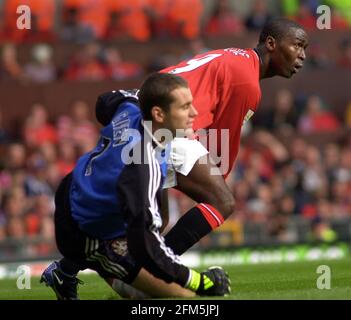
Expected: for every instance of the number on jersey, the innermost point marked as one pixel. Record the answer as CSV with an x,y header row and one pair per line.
x,y
196,63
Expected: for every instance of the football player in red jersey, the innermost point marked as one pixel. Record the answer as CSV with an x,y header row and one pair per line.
x,y
226,88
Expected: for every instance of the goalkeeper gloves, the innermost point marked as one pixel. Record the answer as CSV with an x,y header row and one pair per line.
x,y
212,282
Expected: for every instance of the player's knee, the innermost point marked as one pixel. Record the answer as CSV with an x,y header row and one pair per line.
x,y
224,202
227,205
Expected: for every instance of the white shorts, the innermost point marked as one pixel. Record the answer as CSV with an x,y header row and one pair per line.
x,y
184,153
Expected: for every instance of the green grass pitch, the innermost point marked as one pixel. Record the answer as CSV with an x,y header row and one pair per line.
x,y
285,281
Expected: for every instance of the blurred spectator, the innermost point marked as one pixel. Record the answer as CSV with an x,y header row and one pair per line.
x,y
14,203
195,47
114,28
156,12
46,246
343,173
223,20
305,17
4,135
37,129
2,230
128,19
317,57
315,119
322,231
331,156
314,180
271,147
341,199
16,230
242,193
260,205
348,115
282,116
279,190
258,16
36,180
41,69
280,219
325,209
16,156
184,16
117,69
10,68
48,152
67,157
74,31
286,206
85,16
86,65
64,127
344,60
43,207
84,132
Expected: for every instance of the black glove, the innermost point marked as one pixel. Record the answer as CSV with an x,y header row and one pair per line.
x,y
212,282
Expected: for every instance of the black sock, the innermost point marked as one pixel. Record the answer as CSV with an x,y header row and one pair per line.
x,y
69,267
188,230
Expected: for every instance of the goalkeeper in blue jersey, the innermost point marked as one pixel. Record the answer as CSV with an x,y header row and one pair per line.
x,y
107,215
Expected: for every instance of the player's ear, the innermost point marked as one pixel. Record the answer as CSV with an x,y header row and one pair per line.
x,y
270,43
158,114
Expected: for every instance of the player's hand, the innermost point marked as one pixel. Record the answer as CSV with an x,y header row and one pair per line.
x,y
214,282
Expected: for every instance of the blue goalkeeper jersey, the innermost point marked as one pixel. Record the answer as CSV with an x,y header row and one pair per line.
x,y
95,196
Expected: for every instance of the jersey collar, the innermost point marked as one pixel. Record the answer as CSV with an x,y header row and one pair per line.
x,y
258,56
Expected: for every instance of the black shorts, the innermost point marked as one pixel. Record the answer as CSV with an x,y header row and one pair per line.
x,y
109,258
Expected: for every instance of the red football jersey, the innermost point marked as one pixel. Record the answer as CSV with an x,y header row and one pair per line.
x,y
226,90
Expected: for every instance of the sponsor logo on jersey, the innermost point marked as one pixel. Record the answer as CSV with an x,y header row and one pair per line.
x,y
238,52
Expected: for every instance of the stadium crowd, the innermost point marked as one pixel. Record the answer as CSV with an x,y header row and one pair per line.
x,y
82,21
95,26
279,173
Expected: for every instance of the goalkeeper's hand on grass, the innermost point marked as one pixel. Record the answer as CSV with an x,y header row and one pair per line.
x,y
212,282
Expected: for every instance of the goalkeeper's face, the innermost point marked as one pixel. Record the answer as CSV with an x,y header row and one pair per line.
x,y
181,113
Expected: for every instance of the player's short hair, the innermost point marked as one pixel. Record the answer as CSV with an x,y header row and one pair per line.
x,y
156,91
277,28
